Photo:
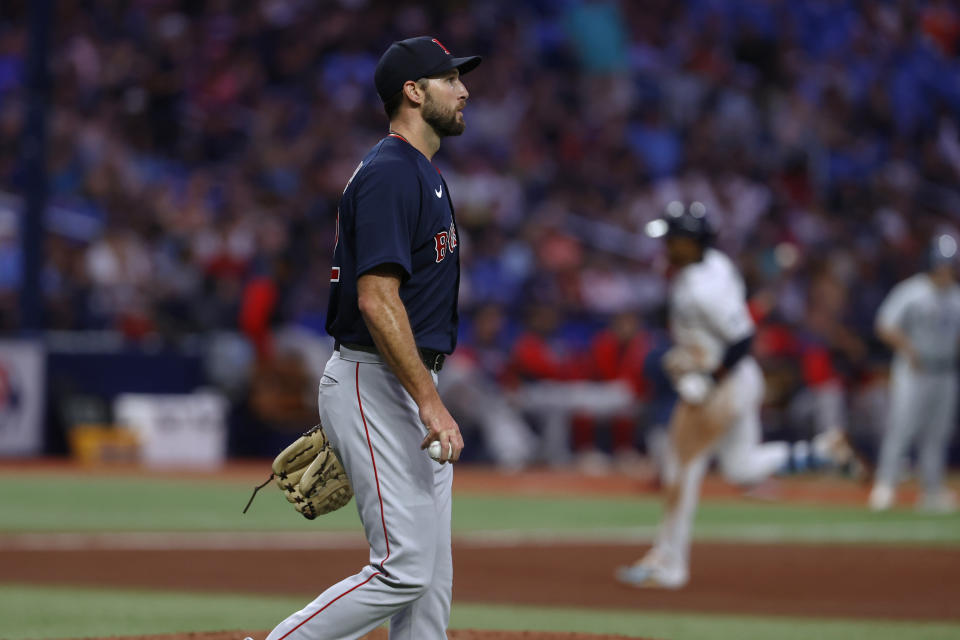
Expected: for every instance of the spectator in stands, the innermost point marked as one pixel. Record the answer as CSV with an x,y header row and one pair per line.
x,y
470,385
197,138
618,353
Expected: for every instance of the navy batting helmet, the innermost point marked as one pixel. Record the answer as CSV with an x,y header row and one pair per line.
x,y
682,220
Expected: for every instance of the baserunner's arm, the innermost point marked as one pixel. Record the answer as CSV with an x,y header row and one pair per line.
x,y
378,297
898,341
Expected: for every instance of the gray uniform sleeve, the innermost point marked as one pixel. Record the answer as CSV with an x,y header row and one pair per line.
x,y
893,310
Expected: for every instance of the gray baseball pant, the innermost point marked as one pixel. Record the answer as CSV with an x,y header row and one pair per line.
x,y
923,405
404,499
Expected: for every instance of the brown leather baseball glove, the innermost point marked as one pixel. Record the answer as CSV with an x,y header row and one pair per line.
x,y
311,475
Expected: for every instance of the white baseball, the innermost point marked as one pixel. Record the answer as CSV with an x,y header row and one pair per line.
x,y
434,450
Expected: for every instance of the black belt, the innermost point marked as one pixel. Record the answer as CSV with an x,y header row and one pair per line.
x,y
433,360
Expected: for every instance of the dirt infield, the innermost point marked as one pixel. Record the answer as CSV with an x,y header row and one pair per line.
x,y
801,580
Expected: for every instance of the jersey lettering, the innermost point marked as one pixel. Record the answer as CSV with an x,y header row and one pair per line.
x,y
334,274
440,243
445,242
453,237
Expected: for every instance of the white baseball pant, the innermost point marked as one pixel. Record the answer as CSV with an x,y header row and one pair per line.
x,y
743,460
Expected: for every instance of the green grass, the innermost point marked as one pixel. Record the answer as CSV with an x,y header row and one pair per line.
x,y
716,520
693,626
60,502
61,612
96,503
38,502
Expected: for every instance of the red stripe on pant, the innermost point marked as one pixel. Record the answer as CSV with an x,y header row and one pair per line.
x,y
383,520
376,476
312,615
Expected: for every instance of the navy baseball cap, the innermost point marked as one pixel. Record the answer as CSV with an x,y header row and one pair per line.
x,y
416,58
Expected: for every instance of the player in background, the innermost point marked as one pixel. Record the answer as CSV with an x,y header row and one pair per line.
x,y
471,387
719,387
920,321
393,314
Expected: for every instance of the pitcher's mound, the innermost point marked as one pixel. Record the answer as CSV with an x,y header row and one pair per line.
x,y
381,634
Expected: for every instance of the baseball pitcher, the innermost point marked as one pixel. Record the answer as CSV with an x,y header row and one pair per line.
x,y
393,313
920,321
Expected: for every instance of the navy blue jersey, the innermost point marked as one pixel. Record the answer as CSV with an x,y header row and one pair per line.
x,y
396,209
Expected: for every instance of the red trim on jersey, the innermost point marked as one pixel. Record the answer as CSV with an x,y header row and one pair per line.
x,y
328,604
376,477
394,134
336,230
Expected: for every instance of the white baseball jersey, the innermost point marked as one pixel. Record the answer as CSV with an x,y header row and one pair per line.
x,y
708,312
928,316
708,308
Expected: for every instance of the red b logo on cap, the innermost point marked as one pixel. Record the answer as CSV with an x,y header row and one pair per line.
x,y
440,44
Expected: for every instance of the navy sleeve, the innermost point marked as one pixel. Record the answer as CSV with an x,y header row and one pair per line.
x,y
387,201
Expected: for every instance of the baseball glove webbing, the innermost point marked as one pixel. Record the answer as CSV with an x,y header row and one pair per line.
x,y
310,475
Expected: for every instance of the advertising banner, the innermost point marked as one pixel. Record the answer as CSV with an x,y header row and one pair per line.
x,y
21,398
176,430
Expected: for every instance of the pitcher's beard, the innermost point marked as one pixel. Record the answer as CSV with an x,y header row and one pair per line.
x,y
443,121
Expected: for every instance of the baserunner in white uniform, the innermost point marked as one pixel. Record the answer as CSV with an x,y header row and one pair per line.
x,y
393,313
920,321
720,389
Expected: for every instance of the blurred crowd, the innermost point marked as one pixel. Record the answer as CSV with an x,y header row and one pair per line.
x,y
197,151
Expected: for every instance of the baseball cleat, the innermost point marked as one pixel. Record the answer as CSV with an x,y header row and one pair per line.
x,y
942,501
650,576
831,448
881,497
